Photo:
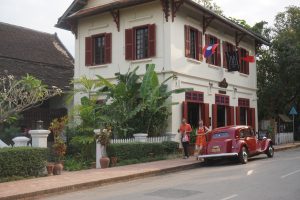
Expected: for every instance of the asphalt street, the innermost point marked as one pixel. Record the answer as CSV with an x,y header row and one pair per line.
x,y
262,178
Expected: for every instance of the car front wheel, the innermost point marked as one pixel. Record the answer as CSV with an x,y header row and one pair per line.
x,y
270,151
243,155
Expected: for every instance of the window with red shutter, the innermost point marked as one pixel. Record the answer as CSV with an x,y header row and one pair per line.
x,y
244,66
237,116
205,114
214,116
227,47
214,59
88,51
193,43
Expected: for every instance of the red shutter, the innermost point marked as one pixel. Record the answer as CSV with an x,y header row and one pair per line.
x,y
230,115
129,52
214,116
185,110
219,53
108,47
224,55
240,59
205,114
88,51
207,42
199,47
253,118
247,63
152,40
249,119
237,116
187,40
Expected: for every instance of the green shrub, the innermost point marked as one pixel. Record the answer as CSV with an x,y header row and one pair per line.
x,y
140,151
72,164
170,147
22,161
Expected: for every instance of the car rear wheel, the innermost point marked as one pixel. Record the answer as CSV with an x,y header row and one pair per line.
x,y
243,155
270,151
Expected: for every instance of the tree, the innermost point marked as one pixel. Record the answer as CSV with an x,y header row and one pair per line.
x,y
211,5
278,66
19,95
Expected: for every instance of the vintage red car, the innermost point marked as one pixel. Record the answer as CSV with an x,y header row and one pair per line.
x,y
240,142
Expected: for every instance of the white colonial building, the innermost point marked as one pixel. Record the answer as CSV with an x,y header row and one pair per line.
x,y
115,35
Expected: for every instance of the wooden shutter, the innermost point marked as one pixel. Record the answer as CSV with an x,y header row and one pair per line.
x,y
152,40
88,51
129,47
230,115
237,116
207,42
205,114
218,63
187,41
224,55
199,47
185,110
214,116
247,64
108,47
240,59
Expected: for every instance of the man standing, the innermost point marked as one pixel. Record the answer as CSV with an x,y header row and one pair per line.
x,y
185,130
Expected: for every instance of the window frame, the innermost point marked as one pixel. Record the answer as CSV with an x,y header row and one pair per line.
x,y
198,43
94,50
215,59
244,66
135,41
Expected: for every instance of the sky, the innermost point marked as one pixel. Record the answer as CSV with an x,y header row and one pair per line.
x,y
42,15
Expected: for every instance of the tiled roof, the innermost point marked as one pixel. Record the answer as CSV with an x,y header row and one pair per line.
x,y
24,50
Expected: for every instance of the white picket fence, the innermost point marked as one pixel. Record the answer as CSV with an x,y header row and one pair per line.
x,y
284,138
149,139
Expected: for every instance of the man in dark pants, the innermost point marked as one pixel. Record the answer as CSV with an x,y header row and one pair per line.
x,y
185,130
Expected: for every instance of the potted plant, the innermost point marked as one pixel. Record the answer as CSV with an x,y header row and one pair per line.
x,y
50,167
104,138
59,147
191,148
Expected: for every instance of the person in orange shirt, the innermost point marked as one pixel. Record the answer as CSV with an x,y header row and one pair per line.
x,y
185,130
201,138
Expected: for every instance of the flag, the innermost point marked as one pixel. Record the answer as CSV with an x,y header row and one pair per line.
x,y
232,59
209,50
249,59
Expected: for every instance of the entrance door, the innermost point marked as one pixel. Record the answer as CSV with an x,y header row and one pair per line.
x,y
221,116
194,113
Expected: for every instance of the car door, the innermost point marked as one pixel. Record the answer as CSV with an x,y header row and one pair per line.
x,y
250,140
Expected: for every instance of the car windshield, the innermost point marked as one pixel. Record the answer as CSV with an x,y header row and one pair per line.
x,y
220,135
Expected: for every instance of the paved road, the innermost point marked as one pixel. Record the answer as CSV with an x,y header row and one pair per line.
x,y
262,178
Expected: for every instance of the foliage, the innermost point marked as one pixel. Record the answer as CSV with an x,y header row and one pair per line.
x,y
19,95
278,66
22,161
129,151
210,5
73,164
193,136
104,137
57,127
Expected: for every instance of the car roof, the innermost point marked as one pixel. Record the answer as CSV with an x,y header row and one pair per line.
x,y
230,128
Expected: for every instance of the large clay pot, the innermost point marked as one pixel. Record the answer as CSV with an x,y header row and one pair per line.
x,y
50,168
104,162
114,161
58,167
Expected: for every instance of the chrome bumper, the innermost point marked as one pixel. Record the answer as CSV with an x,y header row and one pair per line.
x,y
218,155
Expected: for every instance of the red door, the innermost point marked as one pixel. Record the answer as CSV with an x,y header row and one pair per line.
x,y
250,140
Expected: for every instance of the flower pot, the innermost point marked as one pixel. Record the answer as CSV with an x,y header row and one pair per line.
x,y
50,168
58,167
104,162
114,161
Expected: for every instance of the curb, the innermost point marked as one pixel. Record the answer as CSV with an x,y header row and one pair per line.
x,y
287,147
93,184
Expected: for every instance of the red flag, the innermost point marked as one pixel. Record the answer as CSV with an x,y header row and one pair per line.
x,y
249,59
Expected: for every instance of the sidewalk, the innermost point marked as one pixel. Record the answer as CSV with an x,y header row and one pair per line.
x,y
71,181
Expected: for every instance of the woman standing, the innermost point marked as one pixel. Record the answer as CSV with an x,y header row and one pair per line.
x,y
185,130
201,138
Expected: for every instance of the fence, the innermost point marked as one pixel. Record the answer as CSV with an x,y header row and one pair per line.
x,y
148,139
284,138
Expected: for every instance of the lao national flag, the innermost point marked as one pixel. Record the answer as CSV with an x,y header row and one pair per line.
x,y
249,59
209,50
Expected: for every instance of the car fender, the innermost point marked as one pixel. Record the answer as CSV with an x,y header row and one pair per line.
x,y
240,144
267,143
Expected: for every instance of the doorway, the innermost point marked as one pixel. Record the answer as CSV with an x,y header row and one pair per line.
x,y
194,113
243,116
221,115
